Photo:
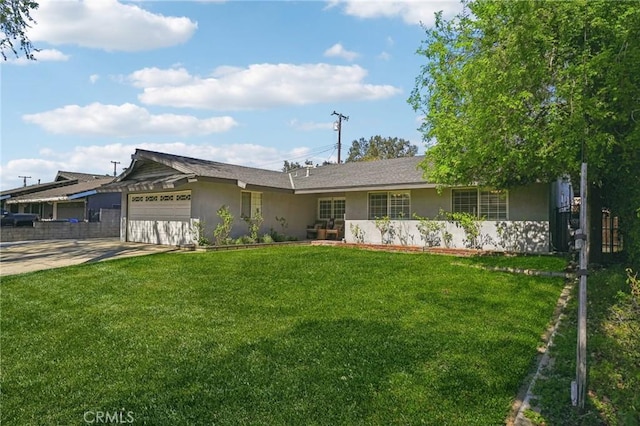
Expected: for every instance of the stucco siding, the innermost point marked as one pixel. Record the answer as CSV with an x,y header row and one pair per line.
x,y
529,203
428,202
298,210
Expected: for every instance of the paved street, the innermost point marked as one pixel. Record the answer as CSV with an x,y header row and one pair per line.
x,y
28,256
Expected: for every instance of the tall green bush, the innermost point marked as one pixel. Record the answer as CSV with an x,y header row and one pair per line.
x,y
223,229
254,223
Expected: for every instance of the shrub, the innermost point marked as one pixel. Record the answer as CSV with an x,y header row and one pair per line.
x,y
470,224
385,227
430,230
245,239
357,232
223,229
198,230
254,223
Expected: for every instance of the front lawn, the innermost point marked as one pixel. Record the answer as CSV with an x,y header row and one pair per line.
x,y
281,335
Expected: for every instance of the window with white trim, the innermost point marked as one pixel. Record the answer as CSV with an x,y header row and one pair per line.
x,y
251,204
487,204
395,205
331,208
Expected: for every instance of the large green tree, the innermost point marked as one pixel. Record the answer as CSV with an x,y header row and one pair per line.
x,y
15,19
379,148
518,92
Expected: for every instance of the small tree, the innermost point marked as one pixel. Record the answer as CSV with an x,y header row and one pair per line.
x,y
358,233
429,230
199,231
254,223
471,225
384,225
223,229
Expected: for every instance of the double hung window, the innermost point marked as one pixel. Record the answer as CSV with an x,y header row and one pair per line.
x,y
331,208
487,204
251,204
394,205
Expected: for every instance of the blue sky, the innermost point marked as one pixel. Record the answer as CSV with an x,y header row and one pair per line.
x,y
244,82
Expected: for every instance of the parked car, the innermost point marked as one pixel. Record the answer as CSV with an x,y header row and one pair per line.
x,y
18,219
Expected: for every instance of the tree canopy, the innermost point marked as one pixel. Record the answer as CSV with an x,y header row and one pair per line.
x,y
292,165
518,92
15,19
379,148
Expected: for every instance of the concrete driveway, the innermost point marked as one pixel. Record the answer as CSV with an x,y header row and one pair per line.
x,y
28,256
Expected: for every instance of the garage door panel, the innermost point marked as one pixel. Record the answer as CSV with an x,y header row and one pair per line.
x,y
160,232
160,218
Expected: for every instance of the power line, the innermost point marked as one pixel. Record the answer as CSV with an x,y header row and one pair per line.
x,y
307,155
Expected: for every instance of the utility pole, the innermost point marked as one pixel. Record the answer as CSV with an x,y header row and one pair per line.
x,y
579,386
338,126
114,167
24,179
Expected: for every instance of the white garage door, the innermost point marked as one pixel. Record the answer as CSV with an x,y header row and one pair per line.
x,y
160,218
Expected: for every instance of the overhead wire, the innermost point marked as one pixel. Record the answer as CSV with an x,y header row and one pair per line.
x,y
307,155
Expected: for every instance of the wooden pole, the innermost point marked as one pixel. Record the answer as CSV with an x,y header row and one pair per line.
x,y
578,396
340,118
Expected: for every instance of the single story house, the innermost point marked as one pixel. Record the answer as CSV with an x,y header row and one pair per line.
x,y
71,196
165,196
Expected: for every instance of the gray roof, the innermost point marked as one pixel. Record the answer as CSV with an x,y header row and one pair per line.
x,y
179,169
82,177
150,169
362,175
60,193
62,178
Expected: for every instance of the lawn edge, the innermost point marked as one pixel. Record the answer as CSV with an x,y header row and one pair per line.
x,y
517,415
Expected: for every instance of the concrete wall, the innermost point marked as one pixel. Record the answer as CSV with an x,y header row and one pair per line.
x,y
109,226
512,236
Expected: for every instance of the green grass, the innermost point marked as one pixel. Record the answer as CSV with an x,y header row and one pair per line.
x,y
281,335
613,362
549,263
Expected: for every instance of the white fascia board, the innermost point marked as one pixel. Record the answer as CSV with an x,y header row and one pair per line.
x,y
38,200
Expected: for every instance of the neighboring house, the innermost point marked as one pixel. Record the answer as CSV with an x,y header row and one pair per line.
x,y
164,196
70,196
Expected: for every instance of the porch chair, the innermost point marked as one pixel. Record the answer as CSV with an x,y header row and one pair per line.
x,y
334,229
312,230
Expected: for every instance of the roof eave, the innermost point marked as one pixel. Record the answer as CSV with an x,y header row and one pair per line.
x,y
38,200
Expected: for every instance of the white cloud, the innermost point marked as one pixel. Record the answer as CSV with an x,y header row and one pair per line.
x,y
411,11
384,56
93,78
310,125
124,120
97,159
150,77
108,25
337,50
258,86
43,55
